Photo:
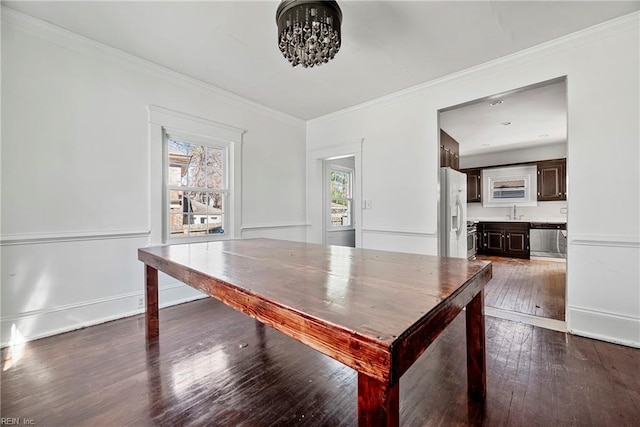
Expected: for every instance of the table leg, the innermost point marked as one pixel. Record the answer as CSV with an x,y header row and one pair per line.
x,y
152,317
476,366
378,403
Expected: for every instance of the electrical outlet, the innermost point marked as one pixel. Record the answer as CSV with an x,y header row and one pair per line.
x,y
140,302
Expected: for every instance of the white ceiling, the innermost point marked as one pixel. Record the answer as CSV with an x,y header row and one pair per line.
x,y
519,119
387,45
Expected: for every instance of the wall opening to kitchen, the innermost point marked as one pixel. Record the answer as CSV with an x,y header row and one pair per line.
x,y
512,149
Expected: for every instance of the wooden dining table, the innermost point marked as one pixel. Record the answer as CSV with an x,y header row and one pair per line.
x,y
374,311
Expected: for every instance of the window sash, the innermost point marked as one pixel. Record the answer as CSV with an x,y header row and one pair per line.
x,y
334,218
202,229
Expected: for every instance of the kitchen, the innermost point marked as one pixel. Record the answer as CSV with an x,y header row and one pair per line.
x,y
512,149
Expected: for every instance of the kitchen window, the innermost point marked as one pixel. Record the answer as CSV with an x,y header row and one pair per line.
x,y
510,186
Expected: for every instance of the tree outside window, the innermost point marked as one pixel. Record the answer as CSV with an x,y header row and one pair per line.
x,y
341,197
197,189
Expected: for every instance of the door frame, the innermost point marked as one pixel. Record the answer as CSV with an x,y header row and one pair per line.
x,y
316,188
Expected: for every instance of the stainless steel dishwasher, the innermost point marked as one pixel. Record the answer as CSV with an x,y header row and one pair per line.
x,y
548,239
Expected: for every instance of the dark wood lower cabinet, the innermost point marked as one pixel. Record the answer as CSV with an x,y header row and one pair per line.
x,y
504,239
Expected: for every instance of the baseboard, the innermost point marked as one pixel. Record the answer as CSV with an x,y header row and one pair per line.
x,y
56,320
544,258
603,326
541,322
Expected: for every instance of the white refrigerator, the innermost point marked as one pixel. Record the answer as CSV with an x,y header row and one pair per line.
x,y
453,213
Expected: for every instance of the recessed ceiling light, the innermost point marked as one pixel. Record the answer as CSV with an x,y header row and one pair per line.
x,y
506,123
498,102
544,135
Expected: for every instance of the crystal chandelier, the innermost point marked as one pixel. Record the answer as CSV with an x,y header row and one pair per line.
x,y
308,31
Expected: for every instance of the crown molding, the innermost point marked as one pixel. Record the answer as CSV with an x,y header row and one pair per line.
x,y
85,45
569,41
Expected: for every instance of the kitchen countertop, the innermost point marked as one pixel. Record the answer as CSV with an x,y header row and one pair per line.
x,y
546,220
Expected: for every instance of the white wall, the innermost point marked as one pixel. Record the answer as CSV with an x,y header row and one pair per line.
x,y
529,154
403,214
80,174
400,158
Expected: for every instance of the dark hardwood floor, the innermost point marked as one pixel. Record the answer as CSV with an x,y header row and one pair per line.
x,y
215,367
529,286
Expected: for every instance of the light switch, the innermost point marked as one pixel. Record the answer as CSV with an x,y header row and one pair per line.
x,y
367,204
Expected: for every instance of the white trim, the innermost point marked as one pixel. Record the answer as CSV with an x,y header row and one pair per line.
x,y
615,241
267,226
164,120
541,322
87,308
600,325
567,42
82,44
67,307
401,231
349,147
70,236
315,186
168,118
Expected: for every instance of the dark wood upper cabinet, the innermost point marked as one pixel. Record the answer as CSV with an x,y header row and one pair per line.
x,y
449,151
474,184
552,182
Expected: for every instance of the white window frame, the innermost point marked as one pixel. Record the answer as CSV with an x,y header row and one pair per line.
x,y
332,167
526,173
165,123
224,190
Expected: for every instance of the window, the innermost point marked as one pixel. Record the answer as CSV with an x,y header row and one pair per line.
x,y
341,197
510,186
197,187
512,189
196,177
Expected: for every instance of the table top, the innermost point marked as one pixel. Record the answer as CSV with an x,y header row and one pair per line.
x,y
375,294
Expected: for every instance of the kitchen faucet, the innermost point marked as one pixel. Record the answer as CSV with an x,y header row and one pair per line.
x,y
514,212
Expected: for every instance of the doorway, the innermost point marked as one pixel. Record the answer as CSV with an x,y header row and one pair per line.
x,y
525,127
316,187
339,198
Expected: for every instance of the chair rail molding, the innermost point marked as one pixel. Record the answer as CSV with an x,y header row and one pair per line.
x,y
70,236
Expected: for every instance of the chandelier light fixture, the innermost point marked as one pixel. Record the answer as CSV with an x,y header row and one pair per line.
x,y
308,31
